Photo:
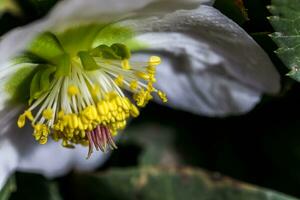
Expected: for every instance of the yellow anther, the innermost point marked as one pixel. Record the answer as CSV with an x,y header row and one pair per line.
x,y
142,97
75,121
151,69
95,91
28,114
113,106
73,90
43,140
134,85
142,75
118,101
61,114
48,114
134,111
119,80
124,106
162,96
154,60
21,121
93,112
41,132
22,118
111,95
90,113
127,104
125,64
152,79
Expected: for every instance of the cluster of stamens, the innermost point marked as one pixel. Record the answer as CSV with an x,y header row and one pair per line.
x,y
90,107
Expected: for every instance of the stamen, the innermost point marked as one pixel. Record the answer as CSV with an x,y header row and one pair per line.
x,y
73,90
48,114
87,105
125,64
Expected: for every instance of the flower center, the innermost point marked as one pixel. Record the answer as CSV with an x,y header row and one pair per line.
x,y
84,102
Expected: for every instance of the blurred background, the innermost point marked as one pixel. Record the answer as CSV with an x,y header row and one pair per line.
x,y
170,154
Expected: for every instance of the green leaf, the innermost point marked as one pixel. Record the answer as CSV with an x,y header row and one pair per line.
x,y
155,183
286,22
87,61
157,144
291,4
9,187
46,46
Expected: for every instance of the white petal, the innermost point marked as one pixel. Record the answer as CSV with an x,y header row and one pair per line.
x,y
72,12
213,67
8,160
206,93
53,160
8,118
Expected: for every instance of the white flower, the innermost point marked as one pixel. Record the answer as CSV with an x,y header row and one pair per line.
x,y
210,66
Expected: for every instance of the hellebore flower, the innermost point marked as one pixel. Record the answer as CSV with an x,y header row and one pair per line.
x,y
72,72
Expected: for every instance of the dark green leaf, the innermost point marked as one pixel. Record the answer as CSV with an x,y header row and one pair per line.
x,y
285,41
291,4
284,12
154,183
156,143
286,22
